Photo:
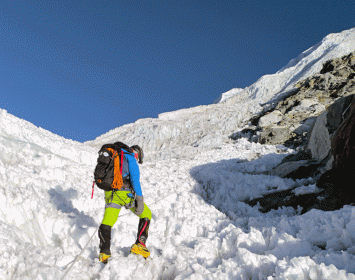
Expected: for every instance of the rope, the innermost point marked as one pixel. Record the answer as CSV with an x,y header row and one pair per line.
x,y
78,256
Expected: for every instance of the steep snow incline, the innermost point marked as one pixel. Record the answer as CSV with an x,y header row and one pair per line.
x,y
25,133
209,126
204,127
224,96
200,227
42,176
306,64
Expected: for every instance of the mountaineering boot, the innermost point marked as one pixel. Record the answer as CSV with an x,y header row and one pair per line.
x,y
104,258
139,247
105,239
143,228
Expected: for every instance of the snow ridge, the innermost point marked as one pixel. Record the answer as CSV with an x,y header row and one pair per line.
x,y
210,126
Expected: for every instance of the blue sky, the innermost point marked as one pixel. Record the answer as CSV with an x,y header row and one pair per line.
x,y
81,68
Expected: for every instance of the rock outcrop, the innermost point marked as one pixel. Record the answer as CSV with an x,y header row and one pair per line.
x,y
339,179
326,144
290,120
307,119
315,157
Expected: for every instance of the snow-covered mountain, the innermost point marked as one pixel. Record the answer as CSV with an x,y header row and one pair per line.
x,y
210,126
194,179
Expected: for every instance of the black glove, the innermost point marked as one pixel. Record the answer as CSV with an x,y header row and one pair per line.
x,y
139,205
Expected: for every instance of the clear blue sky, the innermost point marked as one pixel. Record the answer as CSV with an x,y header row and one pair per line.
x,y
80,68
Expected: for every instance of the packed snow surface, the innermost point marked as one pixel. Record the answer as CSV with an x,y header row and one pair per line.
x,y
200,229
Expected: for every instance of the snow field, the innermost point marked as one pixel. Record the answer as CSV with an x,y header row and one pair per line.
x,y
200,229
47,218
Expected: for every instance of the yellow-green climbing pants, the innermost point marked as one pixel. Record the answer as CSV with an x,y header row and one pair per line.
x,y
114,202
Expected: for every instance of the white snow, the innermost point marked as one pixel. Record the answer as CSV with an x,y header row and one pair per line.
x,y
306,64
227,95
201,228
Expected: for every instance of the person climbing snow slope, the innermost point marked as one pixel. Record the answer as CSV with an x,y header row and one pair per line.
x,y
129,196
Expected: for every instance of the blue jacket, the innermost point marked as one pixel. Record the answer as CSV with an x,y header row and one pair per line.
x,y
130,172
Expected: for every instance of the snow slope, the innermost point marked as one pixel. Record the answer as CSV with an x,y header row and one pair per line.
x,y
306,64
200,229
206,126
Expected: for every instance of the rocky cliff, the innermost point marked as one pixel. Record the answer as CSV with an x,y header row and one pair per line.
x,y
290,120
309,118
318,118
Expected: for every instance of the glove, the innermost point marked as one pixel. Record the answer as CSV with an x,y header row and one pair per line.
x,y
139,205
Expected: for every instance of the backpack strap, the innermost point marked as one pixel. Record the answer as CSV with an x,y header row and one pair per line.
x,y
122,155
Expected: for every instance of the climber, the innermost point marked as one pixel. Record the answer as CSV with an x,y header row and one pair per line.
x,y
129,196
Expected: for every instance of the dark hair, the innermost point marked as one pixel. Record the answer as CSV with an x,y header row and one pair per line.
x,y
139,150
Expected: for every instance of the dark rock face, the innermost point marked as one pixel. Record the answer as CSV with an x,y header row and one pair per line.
x,y
297,113
339,180
309,118
343,143
320,119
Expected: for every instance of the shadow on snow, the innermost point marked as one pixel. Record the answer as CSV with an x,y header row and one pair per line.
x,y
62,201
